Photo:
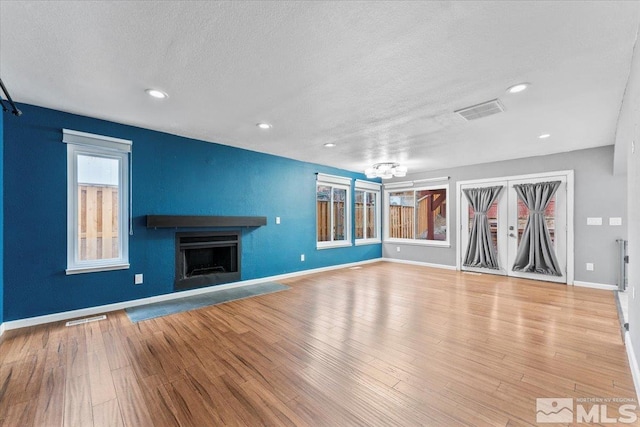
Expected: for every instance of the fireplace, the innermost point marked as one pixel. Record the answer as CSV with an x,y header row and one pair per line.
x,y
207,258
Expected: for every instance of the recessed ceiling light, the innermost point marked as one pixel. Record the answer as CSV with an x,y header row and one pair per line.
x,y
518,88
544,136
157,93
329,144
264,125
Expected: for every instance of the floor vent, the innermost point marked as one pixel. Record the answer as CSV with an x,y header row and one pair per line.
x,y
473,273
85,320
479,111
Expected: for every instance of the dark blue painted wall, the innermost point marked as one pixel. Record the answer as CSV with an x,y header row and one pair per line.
x,y
171,175
1,217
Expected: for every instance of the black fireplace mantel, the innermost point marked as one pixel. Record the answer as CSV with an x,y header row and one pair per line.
x,y
184,221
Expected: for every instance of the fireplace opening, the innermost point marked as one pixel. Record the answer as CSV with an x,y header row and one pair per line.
x,y
204,259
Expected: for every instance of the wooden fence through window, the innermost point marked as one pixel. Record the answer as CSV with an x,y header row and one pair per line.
x,y
401,222
430,207
324,221
371,221
98,222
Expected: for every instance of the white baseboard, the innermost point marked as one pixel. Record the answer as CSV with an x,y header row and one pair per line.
x,y
595,285
423,264
633,363
1,329
66,315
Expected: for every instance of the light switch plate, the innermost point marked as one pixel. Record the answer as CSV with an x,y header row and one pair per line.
x,y
138,279
277,220
594,221
589,266
615,221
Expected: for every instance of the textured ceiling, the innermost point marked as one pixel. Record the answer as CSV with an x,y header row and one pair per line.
x,y
379,79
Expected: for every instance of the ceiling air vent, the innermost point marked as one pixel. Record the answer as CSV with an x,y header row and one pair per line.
x,y
481,110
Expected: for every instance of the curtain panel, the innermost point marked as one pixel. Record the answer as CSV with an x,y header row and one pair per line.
x,y
480,250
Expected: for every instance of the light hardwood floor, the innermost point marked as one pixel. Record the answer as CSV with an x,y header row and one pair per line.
x,y
386,344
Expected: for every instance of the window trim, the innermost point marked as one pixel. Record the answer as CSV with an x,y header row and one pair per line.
x,y
81,143
376,189
340,182
418,242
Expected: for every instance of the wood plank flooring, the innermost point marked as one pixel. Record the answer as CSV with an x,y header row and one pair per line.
x,y
382,345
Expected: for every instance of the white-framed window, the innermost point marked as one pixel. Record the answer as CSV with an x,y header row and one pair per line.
x,y
367,212
333,211
97,202
417,215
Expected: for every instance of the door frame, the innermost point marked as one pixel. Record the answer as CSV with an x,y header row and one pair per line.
x,y
570,201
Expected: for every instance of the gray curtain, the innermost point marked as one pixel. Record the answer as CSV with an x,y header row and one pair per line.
x,y
480,250
535,253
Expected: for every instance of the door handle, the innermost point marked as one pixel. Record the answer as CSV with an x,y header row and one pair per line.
x,y
512,235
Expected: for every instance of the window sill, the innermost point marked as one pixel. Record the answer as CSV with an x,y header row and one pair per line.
x,y
96,269
331,245
361,242
435,243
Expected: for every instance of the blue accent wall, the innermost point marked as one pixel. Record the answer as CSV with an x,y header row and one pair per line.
x,y
171,175
2,217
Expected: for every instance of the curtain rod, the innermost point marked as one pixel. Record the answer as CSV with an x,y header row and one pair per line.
x,y
14,109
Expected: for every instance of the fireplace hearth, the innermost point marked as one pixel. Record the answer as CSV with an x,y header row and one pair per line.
x,y
207,258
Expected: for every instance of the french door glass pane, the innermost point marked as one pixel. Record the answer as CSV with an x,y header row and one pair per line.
x,y
492,215
549,214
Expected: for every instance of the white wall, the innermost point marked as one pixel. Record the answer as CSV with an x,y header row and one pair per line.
x,y
628,134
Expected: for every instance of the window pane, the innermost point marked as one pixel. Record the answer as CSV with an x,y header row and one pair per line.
x,y
401,215
97,186
371,216
323,214
492,216
339,214
431,214
549,214
97,203
360,219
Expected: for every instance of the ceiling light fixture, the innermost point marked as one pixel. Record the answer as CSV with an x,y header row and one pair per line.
x,y
544,136
386,170
264,125
518,88
329,145
158,94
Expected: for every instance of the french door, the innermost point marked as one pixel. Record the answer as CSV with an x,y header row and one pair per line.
x,y
507,218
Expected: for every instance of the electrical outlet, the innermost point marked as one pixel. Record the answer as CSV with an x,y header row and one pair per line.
x,y
138,279
397,248
589,266
277,220
301,257
615,221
